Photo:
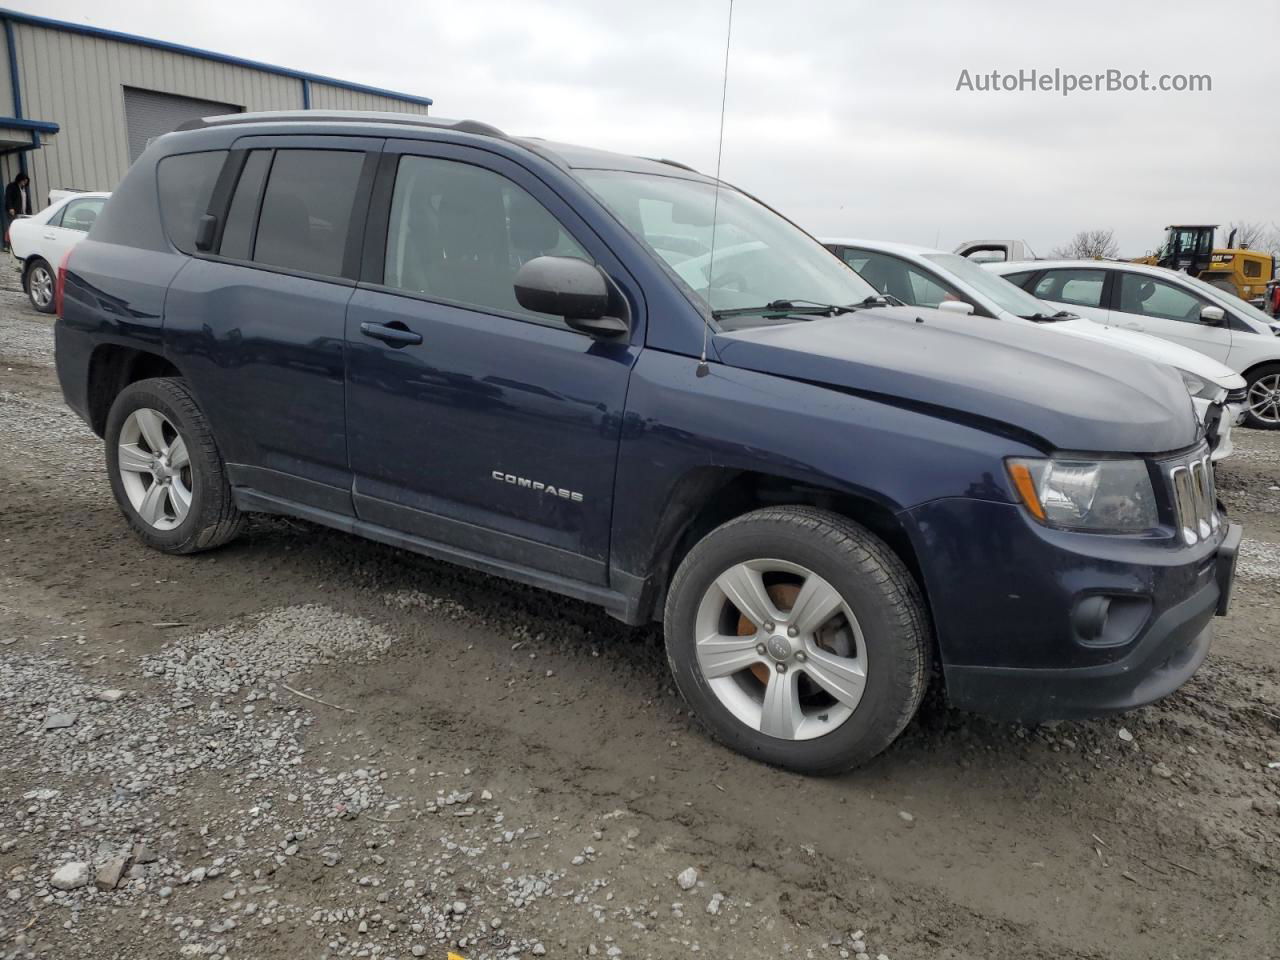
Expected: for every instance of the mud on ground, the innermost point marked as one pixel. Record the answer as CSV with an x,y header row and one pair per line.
x,y
308,745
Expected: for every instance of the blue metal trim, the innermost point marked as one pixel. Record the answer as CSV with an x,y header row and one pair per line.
x,y
11,16
15,86
306,94
35,126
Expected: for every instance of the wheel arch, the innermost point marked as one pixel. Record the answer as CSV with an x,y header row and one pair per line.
x,y
113,367
708,497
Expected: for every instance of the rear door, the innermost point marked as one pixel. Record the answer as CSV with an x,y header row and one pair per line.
x,y
1167,310
472,421
257,323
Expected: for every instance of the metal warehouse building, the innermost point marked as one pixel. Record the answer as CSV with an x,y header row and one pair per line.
x,y
78,104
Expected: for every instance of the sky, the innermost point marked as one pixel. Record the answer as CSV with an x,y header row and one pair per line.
x,y
843,114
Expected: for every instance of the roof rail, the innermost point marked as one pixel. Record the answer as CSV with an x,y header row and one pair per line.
x,y
344,116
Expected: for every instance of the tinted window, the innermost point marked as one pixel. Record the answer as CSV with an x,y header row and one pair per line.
x,y
306,210
81,214
1080,287
460,233
1019,279
1149,297
186,184
898,278
237,235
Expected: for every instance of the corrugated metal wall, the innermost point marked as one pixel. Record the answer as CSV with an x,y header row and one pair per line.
x,y
78,82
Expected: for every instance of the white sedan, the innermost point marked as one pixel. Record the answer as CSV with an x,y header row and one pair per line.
x,y
1173,306
933,278
39,242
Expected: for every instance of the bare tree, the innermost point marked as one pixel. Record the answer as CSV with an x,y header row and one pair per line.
x,y
1089,245
1249,234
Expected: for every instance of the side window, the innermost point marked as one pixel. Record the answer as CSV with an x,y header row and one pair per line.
x,y
1083,288
1019,279
80,214
1150,297
185,183
460,233
898,278
854,259
242,218
306,210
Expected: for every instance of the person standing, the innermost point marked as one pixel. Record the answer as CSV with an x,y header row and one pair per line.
x,y
17,202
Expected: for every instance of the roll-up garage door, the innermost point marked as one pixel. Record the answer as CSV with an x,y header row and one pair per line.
x,y
149,114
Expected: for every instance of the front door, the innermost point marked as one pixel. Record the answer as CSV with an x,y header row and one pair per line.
x,y
472,421
1169,311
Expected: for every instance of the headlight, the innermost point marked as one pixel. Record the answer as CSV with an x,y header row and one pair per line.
x,y
1097,495
1201,388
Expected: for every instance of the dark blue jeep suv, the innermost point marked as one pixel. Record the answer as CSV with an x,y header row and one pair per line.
x,y
617,379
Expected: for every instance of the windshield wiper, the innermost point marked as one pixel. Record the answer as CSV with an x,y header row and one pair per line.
x,y
794,306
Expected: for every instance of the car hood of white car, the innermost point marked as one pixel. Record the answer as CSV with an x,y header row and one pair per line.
x,y
1153,348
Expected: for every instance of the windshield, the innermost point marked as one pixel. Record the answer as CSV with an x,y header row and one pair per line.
x,y
1229,299
760,258
994,287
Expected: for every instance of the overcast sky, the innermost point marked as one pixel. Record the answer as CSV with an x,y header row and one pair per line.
x,y
843,114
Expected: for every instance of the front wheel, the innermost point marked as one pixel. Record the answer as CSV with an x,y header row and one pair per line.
x,y
799,638
166,472
39,283
1264,398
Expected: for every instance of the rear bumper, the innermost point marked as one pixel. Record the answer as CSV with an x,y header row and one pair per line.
x,y
1167,653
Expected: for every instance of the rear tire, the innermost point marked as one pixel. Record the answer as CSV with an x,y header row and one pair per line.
x,y
857,677
38,281
165,469
1263,403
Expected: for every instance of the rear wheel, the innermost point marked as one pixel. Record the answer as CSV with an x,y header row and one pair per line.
x,y
1264,398
166,472
39,283
799,638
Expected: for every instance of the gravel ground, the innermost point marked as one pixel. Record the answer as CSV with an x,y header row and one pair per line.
x,y
310,745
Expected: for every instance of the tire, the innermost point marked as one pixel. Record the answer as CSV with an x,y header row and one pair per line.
x,y
1263,401
38,281
888,635
194,511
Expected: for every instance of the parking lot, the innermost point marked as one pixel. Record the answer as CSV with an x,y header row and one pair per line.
x,y
309,745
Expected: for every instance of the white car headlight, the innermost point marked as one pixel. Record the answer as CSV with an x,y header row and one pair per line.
x,y
1201,388
1113,496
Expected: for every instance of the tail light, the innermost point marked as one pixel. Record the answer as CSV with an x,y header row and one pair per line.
x,y
60,284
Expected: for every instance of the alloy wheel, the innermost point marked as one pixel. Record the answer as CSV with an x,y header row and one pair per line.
x,y
155,468
1264,398
40,285
781,650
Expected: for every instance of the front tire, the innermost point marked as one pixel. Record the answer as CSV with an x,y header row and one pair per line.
x,y
1263,401
38,281
166,472
799,638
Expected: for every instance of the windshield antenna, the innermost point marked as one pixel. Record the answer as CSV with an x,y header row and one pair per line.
x,y
703,369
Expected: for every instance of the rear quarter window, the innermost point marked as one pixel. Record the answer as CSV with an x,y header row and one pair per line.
x,y
186,184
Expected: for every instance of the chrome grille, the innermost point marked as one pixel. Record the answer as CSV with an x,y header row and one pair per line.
x,y
1195,500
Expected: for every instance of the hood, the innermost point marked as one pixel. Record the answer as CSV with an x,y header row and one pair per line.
x,y
1070,393
1152,348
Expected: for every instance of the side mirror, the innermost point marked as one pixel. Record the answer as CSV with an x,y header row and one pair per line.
x,y
576,290
1212,316
956,306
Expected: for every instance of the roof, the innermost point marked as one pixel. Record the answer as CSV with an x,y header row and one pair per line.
x,y
1014,266
884,246
165,45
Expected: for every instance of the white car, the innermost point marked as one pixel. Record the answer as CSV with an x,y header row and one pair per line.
x,y
39,242
946,281
1173,306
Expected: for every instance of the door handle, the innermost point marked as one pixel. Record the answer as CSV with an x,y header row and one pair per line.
x,y
50,236
394,333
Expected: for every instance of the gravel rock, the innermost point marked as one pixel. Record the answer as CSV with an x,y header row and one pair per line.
x,y
687,878
70,876
1267,806
59,721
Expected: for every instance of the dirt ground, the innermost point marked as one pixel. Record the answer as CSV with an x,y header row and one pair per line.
x,y
307,745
